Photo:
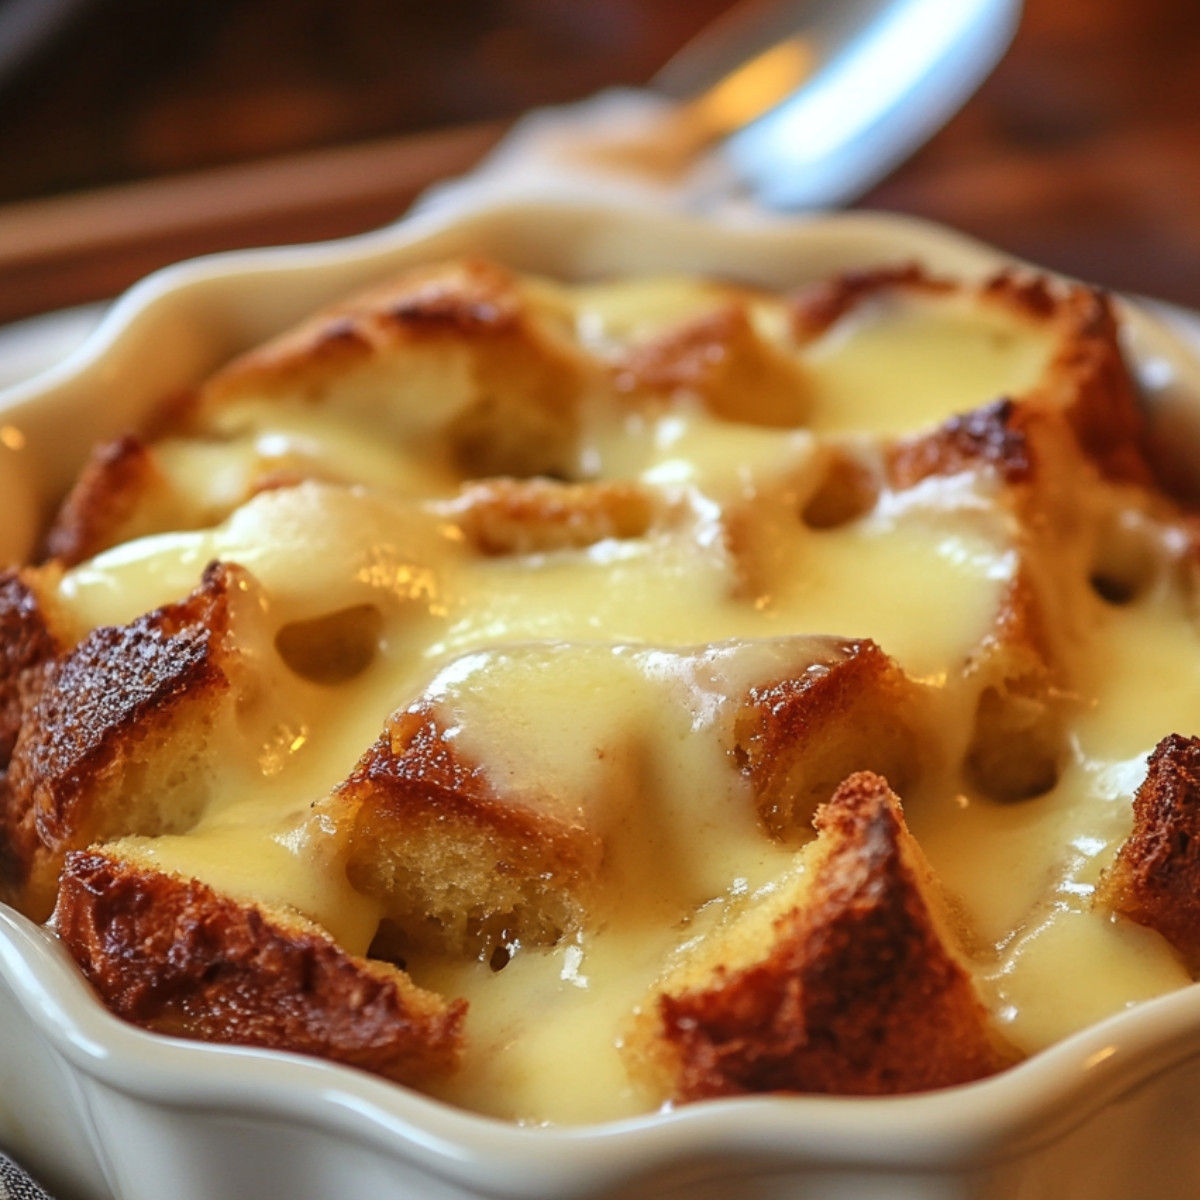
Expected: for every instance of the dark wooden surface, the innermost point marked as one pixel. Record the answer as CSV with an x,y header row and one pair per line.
x,y
147,132
1082,151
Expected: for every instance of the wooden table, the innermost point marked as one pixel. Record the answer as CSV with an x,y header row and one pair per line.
x,y
1080,152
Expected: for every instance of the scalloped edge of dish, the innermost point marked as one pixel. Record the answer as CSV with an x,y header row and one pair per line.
x,y
178,323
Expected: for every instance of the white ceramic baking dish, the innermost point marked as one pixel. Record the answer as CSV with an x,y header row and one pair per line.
x,y
100,1109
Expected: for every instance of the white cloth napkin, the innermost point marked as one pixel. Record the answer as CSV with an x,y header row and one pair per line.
x,y
16,1185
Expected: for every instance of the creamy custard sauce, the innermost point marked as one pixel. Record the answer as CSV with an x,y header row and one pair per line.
x,y
605,673
290,440
655,777
934,364
1028,871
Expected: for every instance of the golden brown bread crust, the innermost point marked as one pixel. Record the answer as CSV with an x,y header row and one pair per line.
x,y
1079,429
853,990
456,864
818,307
1018,739
988,438
1086,382
1155,877
117,496
175,956
1088,378
1022,667
466,298
537,516
502,383
27,640
796,739
1086,385
719,362
129,702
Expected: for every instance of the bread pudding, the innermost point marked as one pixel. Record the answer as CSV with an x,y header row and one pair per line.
x,y
572,700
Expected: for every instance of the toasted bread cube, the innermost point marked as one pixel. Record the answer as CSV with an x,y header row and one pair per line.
x,y
121,494
32,632
175,956
459,359
817,307
991,438
844,979
1018,741
721,363
115,737
1088,378
458,865
1155,877
1085,381
131,489
467,854
538,516
797,738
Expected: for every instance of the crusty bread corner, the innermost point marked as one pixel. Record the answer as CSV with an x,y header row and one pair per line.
x,y
993,437
134,702
1155,877
459,357
456,865
1018,742
1087,383
844,980
1089,378
120,494
1026,666
796,739
814,308
32,632
175,956
720,361
539,516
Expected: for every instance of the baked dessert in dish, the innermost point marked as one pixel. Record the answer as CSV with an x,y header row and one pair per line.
x,y
718,690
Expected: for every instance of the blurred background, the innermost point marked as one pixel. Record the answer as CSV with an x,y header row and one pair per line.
x,y
133,88
325,117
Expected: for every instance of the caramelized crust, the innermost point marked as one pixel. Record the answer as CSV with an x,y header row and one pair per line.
x,y
1088,378
819,307
987,438
456,864
27,640
1086,386
455,356
1155,877
460,299
796,739
113,736
121,494
1087,382
844,983
720,362
175,956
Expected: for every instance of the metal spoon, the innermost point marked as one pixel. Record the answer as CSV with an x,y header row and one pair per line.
x,y
790,105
